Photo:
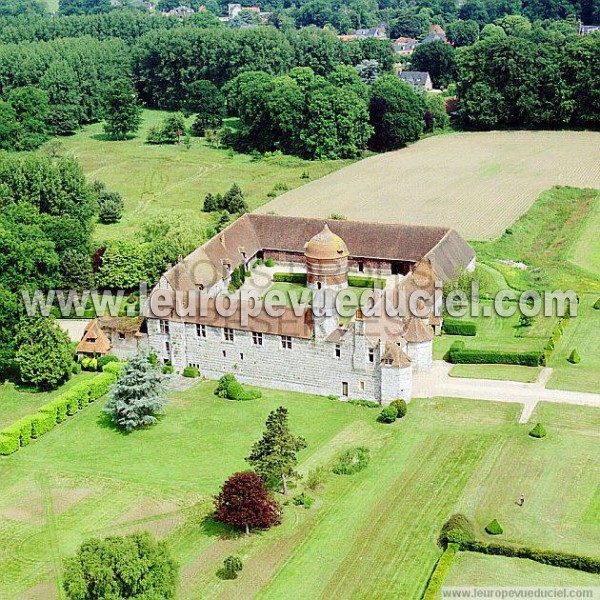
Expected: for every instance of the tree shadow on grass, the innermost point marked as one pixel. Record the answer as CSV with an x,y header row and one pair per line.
x,y
218,530
103,137
104,421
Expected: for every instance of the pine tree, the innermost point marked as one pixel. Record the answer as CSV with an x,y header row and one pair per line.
x,y
234,200
137,396
274,456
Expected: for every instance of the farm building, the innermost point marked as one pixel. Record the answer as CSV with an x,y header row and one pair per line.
x,y
309,348
121,336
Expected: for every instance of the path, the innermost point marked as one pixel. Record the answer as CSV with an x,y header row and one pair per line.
x,y
437,382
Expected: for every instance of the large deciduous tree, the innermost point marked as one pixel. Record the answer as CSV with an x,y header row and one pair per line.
x,y
396,113
132,566
137,396
245,503
44,355
438,59
274,456
207,103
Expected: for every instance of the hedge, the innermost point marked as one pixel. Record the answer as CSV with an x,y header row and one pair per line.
x,y
365,282
546,557
299,278
439,573
459,327
458,354
191,372
49,415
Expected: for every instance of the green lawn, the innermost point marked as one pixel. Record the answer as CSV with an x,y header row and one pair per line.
x,y
582,333
498,372
163,179
481,570
16,403
557,238
499,333
369,535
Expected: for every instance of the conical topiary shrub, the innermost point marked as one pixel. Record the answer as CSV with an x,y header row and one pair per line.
x,y
597,304
574,357
494,528
538,431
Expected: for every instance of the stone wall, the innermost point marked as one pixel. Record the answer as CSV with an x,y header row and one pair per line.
x,y
421,355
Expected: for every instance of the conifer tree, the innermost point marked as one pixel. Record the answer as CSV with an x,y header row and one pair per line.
x,y
138,395
274,456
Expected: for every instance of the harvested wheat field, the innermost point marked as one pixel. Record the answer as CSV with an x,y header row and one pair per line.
x,y
478,183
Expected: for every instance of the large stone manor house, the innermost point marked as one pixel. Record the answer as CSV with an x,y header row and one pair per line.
x,y
360,357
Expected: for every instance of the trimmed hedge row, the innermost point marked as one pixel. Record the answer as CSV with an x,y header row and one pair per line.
x,y
439,573
21,432
546,557
299,278
458,354
459,327
353,280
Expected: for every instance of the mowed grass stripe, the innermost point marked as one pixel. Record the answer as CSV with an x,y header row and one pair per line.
x,y
405,550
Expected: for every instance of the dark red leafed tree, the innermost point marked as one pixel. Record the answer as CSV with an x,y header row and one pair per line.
x,y
245,503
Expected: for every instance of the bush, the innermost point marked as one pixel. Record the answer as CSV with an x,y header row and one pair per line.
x,y
299,278
224,381
597,304
113,367
388,415
316,477
231,566
400,406
303,500
538,431
9,442
352,461
458,530
230,388
494,528
106,359
110,208
366,403
459,327
574,358
270,262
76,369
191,372
168,369
89,364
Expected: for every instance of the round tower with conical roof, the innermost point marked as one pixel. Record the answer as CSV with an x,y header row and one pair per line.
x,y
326,257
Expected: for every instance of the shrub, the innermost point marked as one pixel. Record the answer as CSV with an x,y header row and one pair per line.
x,y
337,217
113,367
191,372
9,442
459,327
303,500
76,369
366,403
316,477
494,528
352,461
42,422
538,431
224,381
388,415
458,354
229,387
168,369
270,262
457,529
110,208
400,406
597,304
574,358
365,282
232,565
105,360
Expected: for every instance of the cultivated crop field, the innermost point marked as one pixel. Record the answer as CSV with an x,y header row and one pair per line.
x,y
477,183
371,535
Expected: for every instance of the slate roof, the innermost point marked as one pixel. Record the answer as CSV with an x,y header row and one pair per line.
x,y
414,77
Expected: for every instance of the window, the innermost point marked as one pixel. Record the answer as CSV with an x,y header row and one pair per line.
x,y
224,354
168,348
195,365
345,388
371,354
122,335
388,362
91,340
241,356
228,334
286,342
361,385
338,351
201,330
164,326
257,338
